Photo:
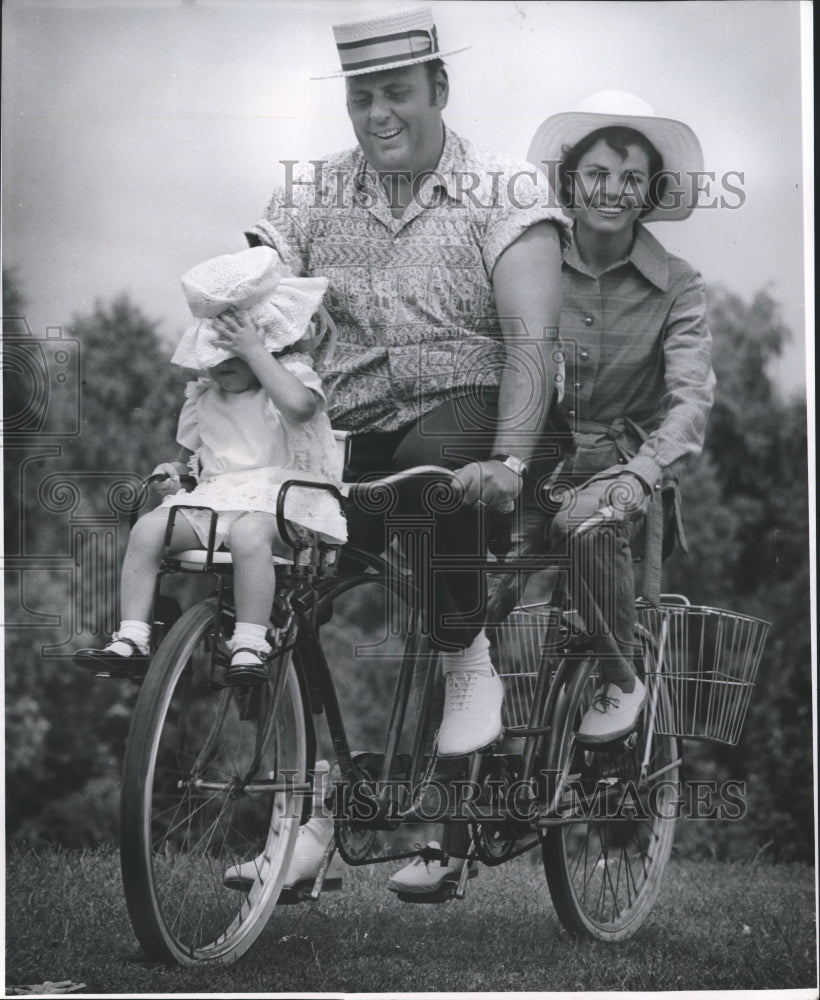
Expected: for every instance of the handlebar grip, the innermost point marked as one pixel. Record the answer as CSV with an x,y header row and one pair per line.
x,y
186,481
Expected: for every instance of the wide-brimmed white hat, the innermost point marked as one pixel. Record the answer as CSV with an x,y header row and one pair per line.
x,y
280,305
675,141
401,38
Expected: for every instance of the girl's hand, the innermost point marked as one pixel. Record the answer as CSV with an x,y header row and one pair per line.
x,y
170,484
238,335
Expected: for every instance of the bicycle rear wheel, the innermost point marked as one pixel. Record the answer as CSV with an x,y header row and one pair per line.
x,y
604,868
207,784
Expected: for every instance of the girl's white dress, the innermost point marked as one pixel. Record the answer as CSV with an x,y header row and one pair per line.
x,y
244,449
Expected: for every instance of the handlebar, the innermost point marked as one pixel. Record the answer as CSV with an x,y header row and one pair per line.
x,y
447,478
396,479
371,493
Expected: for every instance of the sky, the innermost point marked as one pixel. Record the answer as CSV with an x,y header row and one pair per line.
x,y
142,137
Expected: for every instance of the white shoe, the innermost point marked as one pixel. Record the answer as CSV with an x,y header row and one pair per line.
x,y
472,712
423,878
311,844
613,713
308,854
243,877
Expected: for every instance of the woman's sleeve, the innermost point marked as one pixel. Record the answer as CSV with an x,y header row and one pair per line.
x,y
689,388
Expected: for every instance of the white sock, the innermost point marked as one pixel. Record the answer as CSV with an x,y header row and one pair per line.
x,y
475,659
138,632
246,635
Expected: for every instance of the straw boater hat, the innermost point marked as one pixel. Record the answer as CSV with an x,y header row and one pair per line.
x,y
676,142
279,305
402,38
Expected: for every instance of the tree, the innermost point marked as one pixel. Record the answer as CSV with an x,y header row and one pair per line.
x,y
67,732
15,400
130,394
749,551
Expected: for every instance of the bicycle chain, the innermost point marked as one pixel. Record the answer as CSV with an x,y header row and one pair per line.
x,y
355,862
398,856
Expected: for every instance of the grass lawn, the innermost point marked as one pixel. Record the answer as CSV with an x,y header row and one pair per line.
x,y
715,926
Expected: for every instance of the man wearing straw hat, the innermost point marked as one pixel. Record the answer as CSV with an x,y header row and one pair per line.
x,y
443,264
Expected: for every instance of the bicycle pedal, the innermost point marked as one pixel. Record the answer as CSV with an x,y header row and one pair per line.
x,y
238,678
102,670
616,745
137,677
300,891
442,895
446,891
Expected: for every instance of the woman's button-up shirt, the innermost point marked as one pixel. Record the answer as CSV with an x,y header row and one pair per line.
x,y
638,358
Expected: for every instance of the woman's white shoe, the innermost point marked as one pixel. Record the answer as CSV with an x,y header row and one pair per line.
x,y
613,713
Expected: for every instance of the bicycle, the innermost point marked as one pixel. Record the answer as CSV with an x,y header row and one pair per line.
x,y
216,776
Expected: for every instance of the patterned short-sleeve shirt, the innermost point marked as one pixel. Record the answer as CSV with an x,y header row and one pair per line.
x,y
411,298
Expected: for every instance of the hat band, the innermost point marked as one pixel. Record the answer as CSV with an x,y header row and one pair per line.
x,y
386,49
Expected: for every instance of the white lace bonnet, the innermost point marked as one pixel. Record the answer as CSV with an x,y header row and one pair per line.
x,y
280,305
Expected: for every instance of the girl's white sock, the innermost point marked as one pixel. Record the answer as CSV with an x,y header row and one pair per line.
x,y
475,659
246,635
138,632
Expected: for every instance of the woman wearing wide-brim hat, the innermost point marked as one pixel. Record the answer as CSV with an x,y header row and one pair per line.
x,y
639,380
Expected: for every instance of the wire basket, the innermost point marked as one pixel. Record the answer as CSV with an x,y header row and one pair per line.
x,y
705,661
519,647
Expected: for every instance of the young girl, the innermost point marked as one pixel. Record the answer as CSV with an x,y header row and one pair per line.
x,y
252,419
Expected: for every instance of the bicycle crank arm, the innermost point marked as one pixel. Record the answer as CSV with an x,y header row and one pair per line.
x,y
330,850
262,785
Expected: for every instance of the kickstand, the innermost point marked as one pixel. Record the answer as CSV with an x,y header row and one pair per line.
x,y
461,888
330,850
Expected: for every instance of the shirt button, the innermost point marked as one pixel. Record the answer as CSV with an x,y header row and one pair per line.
x,y
588,320
584,355
577,385
572,413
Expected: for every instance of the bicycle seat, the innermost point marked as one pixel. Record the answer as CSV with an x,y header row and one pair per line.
x,y
195,559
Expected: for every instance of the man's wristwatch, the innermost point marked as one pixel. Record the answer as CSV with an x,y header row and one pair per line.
x,y
513,464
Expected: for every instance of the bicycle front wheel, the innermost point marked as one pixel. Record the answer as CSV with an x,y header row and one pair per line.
x,y
208,786
604,864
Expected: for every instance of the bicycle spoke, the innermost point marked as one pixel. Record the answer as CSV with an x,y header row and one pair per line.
x,y
187,814
604,868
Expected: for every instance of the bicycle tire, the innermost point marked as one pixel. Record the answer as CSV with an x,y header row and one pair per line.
x,y
604,874
178,837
